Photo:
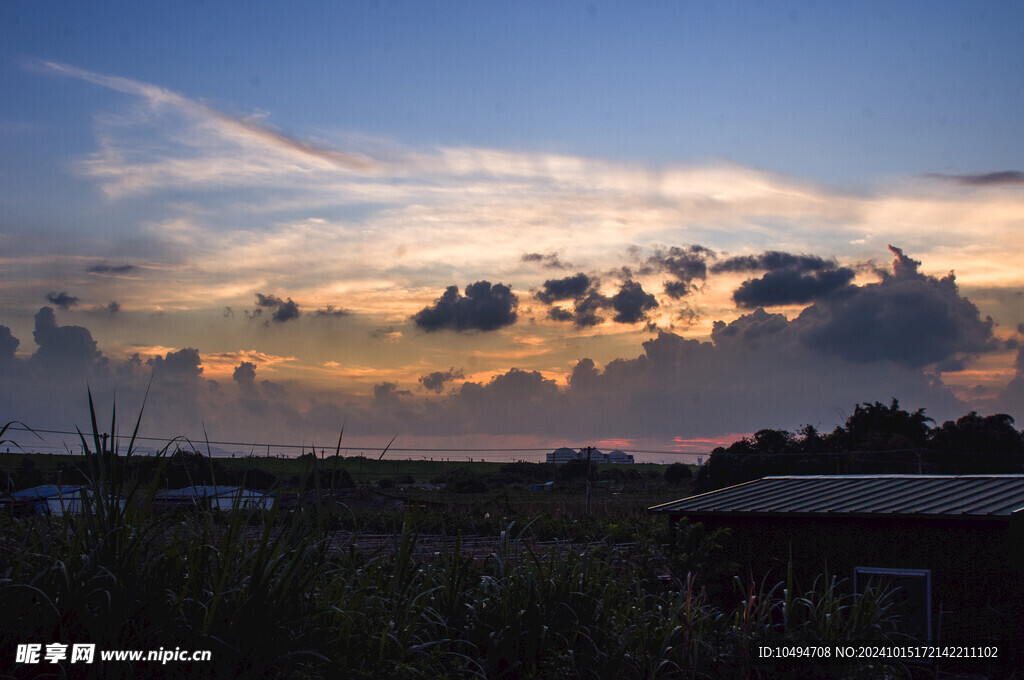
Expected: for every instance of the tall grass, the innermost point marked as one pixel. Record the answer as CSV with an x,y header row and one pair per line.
x,y
271,596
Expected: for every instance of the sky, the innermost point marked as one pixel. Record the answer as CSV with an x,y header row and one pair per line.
x,y
653,226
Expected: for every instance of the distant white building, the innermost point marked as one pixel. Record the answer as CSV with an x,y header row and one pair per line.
x,y
565,454
617,456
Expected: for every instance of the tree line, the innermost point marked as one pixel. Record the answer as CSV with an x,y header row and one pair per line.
x,y
876,439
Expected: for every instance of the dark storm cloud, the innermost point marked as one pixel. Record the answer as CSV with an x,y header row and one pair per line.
x,y
484,308
62,299
388,394
631,303
436,381
773,260
245,375
789,286
183,365
105,268
908,317
1002,177
64,350
568,288
330,312
687,264
8,346
284,310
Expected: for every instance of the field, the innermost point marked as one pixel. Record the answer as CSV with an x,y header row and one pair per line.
x,y
369,574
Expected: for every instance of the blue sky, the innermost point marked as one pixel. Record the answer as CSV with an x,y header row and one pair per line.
x,y
197,163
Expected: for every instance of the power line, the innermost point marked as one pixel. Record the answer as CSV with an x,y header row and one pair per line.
x,y
264,445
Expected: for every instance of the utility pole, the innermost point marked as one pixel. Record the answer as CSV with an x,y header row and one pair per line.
x,y
589,450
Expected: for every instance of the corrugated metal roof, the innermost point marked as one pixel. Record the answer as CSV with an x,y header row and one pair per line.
x,y
889,495
192,492
47,491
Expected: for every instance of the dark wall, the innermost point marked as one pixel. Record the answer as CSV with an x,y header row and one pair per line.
x,y
976,565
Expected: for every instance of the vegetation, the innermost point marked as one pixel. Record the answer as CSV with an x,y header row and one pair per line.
x,y
299,592
875,439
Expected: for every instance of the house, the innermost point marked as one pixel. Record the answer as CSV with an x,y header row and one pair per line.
x,y
952,545
216,497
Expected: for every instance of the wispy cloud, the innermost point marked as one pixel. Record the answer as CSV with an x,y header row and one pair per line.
x,y
998,178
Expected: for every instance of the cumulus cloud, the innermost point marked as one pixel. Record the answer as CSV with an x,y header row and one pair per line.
x,y
568,288
284,310
62,299
67,351
484,308
436,381
686,264
631,303
908,318
8,346
789,279
789,286
244,375
182,365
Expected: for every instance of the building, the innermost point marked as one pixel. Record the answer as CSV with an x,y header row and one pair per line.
x,y
617,456
953,545
216,497
565,454
48,499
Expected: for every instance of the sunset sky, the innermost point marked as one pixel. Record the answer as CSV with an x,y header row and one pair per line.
x,y
652,226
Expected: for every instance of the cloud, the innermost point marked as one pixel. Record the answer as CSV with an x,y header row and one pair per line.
x,y
8,346
235,130
64,352
550,260
62,299
112,308
284,310
330,312
790,279
908,318
388,394
244,375
773,260
686,263
568,288
388,334
182,365
104,268
484,308
789,286
436,381
998,178
631,303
